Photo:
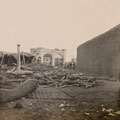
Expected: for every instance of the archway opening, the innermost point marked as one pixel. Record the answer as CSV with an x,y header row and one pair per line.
x,y
47,59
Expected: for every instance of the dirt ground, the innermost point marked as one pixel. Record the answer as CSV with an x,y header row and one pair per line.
x,y
70,103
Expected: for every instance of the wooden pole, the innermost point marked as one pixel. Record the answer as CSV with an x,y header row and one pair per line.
x,y
18,59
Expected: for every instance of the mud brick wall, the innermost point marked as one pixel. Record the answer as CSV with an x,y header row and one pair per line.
x,y
101,55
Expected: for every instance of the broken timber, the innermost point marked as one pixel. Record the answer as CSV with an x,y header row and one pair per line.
x,y
20,91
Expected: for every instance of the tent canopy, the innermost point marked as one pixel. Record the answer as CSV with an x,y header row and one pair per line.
x,y
10,58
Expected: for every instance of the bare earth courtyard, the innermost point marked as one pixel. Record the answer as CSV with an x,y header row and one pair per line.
x,y
69,103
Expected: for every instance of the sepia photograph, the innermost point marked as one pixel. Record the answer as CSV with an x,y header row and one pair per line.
x,y
59,59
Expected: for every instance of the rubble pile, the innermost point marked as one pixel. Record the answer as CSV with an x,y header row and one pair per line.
x,y
53,76
23,82
65,78
39,67
34,83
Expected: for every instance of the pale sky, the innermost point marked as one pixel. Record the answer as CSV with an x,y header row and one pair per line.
x,y
63,24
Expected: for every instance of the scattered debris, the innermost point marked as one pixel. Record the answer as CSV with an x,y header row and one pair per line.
x,y
87,114
62,109
18,106
117,113
62,78
31,104
61,105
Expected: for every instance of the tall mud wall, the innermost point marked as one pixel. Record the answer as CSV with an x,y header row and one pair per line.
x,y
101,55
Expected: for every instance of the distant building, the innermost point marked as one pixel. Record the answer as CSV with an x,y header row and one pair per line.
x,y
101,55
54,57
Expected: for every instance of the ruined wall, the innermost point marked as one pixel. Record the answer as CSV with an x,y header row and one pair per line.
x,y
56,55
101,55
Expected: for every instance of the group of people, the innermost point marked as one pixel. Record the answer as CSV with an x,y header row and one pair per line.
x,y
70,65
